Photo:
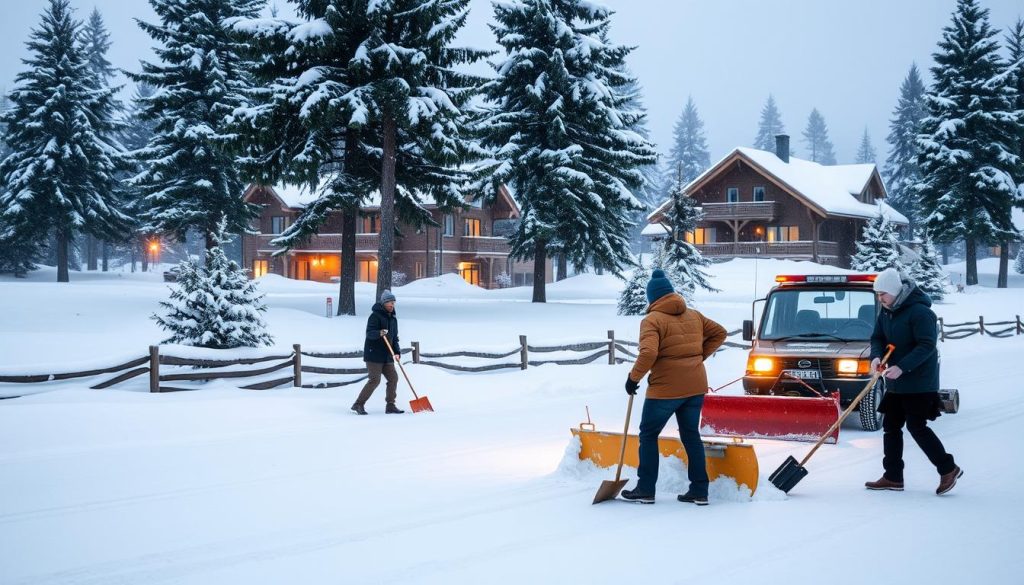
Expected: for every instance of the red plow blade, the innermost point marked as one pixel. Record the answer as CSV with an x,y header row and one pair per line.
x,y
785,418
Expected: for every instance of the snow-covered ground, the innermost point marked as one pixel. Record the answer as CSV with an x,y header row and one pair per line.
x,y
230,486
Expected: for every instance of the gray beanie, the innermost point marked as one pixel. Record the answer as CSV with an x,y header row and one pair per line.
x,y
386,296
889,281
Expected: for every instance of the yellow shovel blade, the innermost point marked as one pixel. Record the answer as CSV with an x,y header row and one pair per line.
x,y
736,460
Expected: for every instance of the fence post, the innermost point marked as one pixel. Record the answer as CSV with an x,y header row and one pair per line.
x,y
524,353
154,368
611,347
297,366
942,330
415,352
981,325
1020,326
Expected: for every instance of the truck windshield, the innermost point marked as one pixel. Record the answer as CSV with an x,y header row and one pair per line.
x,y
848,315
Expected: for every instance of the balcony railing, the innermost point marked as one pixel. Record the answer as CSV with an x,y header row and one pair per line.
x,y
484,245
738,211
798,249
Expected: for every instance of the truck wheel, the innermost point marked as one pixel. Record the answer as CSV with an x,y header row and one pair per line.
x,y
870,418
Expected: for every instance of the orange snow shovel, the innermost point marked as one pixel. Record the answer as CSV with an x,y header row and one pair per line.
x,y
609,490
420,404
790,472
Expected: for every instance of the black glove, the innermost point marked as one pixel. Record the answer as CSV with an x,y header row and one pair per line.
x,y
631,386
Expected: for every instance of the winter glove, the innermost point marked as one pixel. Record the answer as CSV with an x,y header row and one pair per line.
x,y
383,332
631,386
875,363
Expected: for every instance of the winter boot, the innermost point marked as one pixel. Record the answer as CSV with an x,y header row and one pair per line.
x,y
636,495
358,409
884,484
948,480
691,498
392,409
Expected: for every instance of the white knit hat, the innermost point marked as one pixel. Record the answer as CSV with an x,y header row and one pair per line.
x,y
888,281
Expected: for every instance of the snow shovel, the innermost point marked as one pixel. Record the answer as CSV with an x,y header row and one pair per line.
x,y
609,490
419,404
790,472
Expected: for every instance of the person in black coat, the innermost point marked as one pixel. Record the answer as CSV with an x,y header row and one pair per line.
x,y
383,321
912,380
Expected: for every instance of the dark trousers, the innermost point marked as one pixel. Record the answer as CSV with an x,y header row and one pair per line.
x,y
655,416
912,410
375,370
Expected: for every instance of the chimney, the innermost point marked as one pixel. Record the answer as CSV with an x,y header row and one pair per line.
x,y
782,147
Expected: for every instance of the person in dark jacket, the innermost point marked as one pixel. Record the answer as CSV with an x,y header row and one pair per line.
x,y
912,380
383,321
674,342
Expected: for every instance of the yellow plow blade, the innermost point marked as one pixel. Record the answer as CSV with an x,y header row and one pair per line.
x,y
733,459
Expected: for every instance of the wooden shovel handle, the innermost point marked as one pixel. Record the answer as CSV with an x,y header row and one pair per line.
x,y
853,405
625,435
399,362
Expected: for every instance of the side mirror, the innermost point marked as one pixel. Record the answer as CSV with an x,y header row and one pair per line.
x,y
748,330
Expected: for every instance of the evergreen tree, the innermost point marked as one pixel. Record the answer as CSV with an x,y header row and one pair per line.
x,y
878,247
633,299
901,166
928,273
819,146
4,105
1015,79
769,127
136,132
689,157
1018,264
866,151
214,304
563,134
60,173
190,178
683,259
966,157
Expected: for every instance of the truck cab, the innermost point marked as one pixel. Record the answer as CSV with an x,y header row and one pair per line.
x,y
814,338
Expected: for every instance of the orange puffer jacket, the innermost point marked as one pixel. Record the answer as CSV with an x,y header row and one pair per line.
x,y
674,342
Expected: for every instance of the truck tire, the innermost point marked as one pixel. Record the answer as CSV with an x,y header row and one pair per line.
x,y
870,418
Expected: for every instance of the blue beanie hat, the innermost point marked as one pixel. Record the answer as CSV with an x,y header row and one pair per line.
x,y
659,286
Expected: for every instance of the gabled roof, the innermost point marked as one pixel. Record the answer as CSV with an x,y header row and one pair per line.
x,y
829,190
296,198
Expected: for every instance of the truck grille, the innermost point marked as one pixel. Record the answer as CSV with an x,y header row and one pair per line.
x,y
826,365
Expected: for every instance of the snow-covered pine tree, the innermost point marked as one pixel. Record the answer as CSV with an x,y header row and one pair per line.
x,y
1015,49
95,41
190,178
769,127
136,132
928,273
311,128
633,298
819,147
560,127
214,304
689,156
1018,264
683,259
901,168
866,151
61,169
966,157
4,105
878,247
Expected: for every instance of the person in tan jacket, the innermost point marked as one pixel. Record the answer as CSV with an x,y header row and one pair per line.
x,y
674,342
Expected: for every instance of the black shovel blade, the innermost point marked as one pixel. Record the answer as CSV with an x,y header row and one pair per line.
x,y
788,474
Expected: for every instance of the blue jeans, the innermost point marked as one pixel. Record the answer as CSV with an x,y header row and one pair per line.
x,y
654,418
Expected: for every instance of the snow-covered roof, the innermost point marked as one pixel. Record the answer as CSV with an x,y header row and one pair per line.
x,y
654,230
833,189
297,197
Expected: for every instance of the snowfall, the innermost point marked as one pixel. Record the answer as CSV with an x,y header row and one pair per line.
x,y
225,485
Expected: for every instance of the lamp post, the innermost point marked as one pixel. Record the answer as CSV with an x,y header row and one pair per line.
x,y
154,250
759,232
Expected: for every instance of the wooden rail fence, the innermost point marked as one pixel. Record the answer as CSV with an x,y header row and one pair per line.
x,y
616,351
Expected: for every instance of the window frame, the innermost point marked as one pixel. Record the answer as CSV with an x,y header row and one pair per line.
x,y
274,219
764,193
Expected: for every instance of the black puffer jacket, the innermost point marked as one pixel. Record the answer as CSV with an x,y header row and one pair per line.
x,y
374,350
911,326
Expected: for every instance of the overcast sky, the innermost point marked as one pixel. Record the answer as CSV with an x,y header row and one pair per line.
x,y
845,58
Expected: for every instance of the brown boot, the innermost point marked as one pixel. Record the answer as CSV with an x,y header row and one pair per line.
x,y
948,480
884,484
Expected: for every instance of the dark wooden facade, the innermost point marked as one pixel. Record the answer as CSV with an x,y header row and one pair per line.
x,y
472,245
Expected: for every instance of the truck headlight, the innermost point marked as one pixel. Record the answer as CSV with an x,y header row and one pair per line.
x,y
760,365
851,366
